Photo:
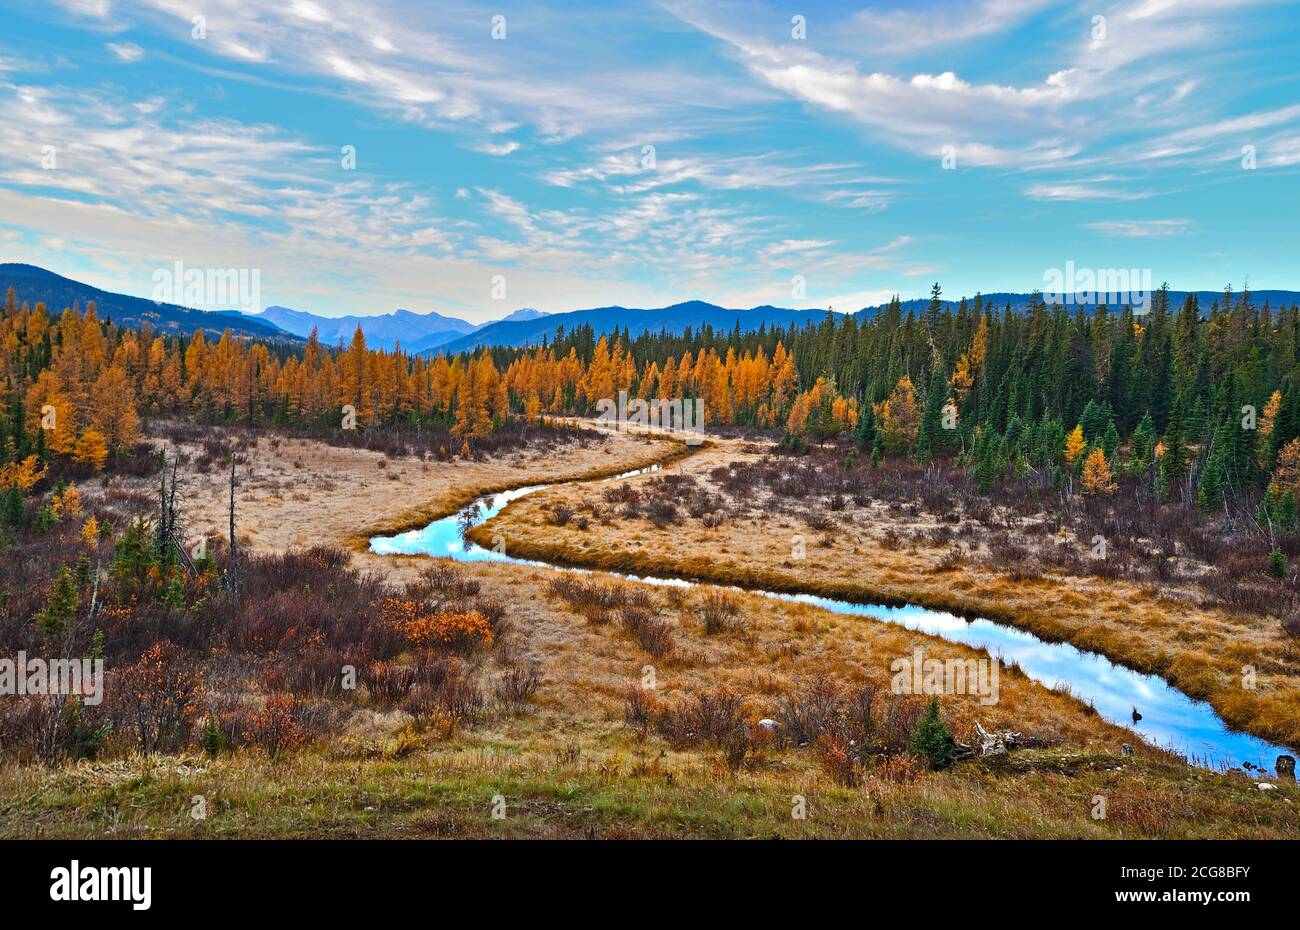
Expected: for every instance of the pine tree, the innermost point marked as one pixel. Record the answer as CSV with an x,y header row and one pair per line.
x,y
1210,483
929,438
1110,440
14,513
61,606
865,432
985,454
1172,465
1144,442
932,739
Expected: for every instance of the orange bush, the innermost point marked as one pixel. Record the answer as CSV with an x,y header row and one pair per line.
x,y
461,630
276,728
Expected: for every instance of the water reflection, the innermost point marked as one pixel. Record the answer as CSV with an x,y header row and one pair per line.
x,y
1169,717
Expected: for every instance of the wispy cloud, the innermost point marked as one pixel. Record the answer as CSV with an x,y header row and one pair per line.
x,y
645,152
1082,191
1140,229
126,51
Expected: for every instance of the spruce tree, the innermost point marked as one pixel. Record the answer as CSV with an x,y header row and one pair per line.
x,y
61,607
932,739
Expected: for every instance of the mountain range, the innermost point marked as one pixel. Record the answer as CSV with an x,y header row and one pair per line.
x,y
382,332
675,318
39,285
415,332
431,333
697,314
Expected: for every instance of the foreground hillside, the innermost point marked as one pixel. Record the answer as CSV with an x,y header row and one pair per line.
x,y
542,724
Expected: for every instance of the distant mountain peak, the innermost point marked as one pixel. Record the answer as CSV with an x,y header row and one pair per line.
x,y
413,331
525,313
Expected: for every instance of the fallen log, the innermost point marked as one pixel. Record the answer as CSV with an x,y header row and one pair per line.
x,y
992,743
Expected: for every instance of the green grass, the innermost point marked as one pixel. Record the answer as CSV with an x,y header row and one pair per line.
x,y
449,792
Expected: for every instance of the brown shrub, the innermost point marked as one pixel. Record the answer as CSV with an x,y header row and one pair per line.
x,y
516,687
705,717
718,612
154,699
388,683
444,685
278,726
653,632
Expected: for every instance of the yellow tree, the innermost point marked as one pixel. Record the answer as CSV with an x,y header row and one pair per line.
x,y
356,375
1097,478
50,409
92,448
23,475
969,365
1074,445
533,408
1266,426
599,382
112,411
797,421
784,377
480,397
1286,475
899,416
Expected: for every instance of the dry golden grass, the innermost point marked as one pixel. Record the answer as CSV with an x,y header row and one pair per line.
x,y
301,492
588,669
1202,651
570,766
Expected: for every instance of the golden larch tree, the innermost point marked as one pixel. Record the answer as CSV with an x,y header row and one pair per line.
x,y
1097,478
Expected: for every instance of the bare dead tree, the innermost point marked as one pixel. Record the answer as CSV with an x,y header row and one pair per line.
x,y
171,504
160,533
232,574
171,529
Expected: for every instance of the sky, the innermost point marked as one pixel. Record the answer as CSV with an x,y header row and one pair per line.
x,y
475,159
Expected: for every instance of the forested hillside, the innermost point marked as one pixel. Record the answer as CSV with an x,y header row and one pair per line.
x,y
1203,402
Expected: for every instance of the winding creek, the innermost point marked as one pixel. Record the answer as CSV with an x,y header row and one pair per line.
x,y
1169,718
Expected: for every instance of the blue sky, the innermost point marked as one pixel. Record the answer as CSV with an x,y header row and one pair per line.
x,y
1106,134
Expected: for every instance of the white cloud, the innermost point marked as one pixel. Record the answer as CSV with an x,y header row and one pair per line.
x,y
1153,54
497,149
923,27
1072,191
796,246
1140,229
126,51
835,183
98,9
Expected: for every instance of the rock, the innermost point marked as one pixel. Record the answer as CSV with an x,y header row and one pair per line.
x,y
768,724
1265,786
1126,749
1286,767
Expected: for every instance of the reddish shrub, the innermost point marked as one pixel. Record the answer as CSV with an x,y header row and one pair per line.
x,y
155,698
